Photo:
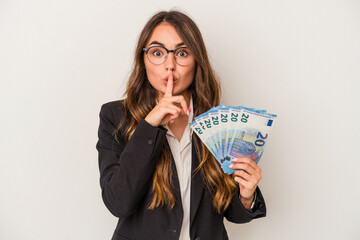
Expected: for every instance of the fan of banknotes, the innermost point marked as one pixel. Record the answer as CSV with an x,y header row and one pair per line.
x,y
232,132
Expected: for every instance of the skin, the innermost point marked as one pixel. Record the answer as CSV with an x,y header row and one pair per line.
x,y
173,101
173,96
248,178
183,76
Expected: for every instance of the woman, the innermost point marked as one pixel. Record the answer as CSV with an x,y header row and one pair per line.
x,y
156,176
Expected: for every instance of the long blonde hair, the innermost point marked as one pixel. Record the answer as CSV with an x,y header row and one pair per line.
x,y
205,91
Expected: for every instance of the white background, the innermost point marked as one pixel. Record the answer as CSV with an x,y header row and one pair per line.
x,y
61,60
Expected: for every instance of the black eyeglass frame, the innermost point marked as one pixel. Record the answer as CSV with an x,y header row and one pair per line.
x,y
146,50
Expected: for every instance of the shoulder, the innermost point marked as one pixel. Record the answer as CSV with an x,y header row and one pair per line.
x,y
113,106
114,113
114,119
115,109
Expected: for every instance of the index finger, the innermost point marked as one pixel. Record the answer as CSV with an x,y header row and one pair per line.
x,y
169,85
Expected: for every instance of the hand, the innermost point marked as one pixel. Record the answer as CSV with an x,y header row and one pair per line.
x,y
166,111
248,176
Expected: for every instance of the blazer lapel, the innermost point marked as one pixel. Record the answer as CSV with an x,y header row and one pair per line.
x,y
175,182
197,186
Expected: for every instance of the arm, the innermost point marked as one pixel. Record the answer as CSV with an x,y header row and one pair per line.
x,y
126,169
248,203
237,213
248,175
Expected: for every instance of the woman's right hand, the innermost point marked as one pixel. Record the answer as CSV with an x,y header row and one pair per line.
x,y
166,111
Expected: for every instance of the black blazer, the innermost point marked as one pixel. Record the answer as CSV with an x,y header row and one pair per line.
x,y
126,171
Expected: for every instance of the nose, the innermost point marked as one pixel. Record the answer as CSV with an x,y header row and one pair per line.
x,y
170,61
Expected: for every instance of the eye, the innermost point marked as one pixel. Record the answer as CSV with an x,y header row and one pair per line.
x,y
182,53
157,52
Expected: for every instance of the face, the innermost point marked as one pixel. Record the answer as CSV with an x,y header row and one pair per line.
x,y
165,35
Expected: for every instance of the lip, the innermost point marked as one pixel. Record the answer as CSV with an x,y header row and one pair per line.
x,y
166,79
174,80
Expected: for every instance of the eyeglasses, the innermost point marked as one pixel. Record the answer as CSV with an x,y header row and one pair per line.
x,y
158,54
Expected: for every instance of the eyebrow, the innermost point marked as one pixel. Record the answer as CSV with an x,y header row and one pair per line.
x,y
161,44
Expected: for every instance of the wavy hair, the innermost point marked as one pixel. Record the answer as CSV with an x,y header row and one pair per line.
x,y
205,90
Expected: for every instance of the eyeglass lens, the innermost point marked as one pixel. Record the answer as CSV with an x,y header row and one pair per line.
x,y
158,55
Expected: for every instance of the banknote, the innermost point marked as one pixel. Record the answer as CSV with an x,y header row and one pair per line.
x,y
234,131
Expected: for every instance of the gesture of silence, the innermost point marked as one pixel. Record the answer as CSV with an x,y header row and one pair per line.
x,y
166,110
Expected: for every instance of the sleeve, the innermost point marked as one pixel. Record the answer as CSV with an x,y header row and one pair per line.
x,y
126,169
237,213
253,202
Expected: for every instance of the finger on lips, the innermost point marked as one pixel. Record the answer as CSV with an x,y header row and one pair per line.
x,y
169,85
178,99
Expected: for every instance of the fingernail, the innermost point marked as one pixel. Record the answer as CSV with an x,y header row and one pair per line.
x,y
231,165
188,112
171,121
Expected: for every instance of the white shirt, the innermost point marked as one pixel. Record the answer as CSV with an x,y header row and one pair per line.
x,y
181,152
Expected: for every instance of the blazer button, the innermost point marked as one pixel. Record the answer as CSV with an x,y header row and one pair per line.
x,y
197,238
150,142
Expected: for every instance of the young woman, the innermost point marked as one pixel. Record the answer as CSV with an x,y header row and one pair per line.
x,y
156,176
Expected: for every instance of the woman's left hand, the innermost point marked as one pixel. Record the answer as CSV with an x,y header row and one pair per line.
x,y
248,177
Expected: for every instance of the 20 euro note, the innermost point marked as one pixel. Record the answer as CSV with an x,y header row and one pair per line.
x,y
204,125
251,135
233,132
248,142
